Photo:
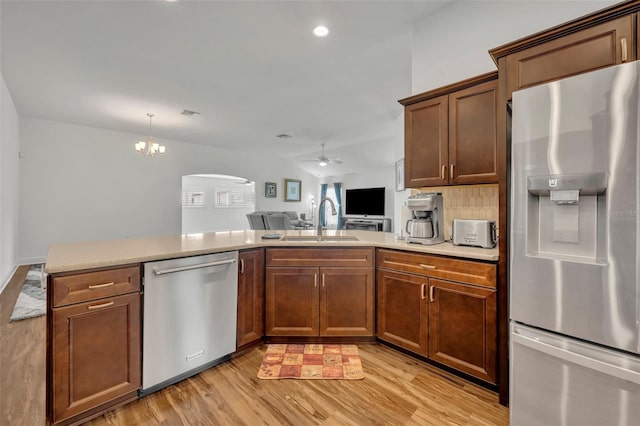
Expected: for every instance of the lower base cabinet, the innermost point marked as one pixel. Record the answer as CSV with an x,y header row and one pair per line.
x,y
462,328
402,310
319,302
306,295
250,319
95,355
451,322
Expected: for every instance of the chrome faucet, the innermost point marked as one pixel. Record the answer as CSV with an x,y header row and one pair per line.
x,y
333,212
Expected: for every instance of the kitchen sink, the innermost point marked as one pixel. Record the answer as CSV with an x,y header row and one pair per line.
x,y
319,239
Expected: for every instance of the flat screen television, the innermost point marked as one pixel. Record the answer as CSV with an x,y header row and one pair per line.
x,y
364,202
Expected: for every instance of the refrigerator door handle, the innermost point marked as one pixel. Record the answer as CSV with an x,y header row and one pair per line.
x,y
594,364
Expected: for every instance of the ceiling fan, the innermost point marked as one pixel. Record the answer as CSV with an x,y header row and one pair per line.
x,y
323,160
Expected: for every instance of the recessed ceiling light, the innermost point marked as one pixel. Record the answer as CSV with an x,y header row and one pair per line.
x,y
320,31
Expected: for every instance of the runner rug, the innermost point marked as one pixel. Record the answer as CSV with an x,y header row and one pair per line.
x,y
32,299
311,362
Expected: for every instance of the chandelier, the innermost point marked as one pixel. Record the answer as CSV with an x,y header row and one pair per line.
x,y
152,148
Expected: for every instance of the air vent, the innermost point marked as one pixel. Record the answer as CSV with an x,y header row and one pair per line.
x,y
189,113
283,136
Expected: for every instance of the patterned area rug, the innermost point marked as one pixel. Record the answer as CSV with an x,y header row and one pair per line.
x,y
311,362
31,301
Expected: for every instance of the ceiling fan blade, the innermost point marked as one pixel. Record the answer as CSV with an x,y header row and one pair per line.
x,y
337,161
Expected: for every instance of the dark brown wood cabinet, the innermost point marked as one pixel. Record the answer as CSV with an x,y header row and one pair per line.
x,y
599,46
95,352
319,292
292,302
346,301
462,327
426,143
637,40
402,310
250,319
451,322
450,134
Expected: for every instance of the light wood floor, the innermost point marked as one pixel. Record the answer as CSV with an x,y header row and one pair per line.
x,y
397,390
22,361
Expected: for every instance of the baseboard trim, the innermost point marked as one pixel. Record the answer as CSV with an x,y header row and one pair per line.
x,y
9,278
32,260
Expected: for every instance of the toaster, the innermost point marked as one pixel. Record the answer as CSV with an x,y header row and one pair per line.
x,y
476,233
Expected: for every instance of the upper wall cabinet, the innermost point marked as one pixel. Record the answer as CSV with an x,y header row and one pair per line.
x,y
450,134
566,51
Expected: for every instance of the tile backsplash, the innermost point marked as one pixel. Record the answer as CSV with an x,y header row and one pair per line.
x,y
467,202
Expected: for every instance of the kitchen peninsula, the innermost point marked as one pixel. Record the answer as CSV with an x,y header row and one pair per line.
x,y
437,302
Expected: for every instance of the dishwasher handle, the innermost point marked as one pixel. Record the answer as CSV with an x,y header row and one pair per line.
x,y
197,266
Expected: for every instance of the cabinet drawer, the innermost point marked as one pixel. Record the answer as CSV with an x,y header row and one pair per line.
x,y
330,256
467,271
68,289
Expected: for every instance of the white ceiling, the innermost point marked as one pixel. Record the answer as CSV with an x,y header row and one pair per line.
x,y
252,68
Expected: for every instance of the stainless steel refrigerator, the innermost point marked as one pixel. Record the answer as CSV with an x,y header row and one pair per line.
x,y
574,252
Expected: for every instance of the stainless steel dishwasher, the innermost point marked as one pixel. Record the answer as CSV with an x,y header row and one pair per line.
x,y
189,317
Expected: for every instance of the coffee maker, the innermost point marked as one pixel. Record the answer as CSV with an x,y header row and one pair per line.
x,y
426,226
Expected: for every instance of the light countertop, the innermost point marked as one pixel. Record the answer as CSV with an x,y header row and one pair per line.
x,y
97,254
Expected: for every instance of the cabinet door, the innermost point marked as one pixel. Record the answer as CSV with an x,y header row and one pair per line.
x,y
462,328
426,143
292,302
96,354
402,310
598,46
472,135
346,302
250,297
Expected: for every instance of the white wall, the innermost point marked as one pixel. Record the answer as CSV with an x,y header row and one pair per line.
x,y
453,44
9,175
80,183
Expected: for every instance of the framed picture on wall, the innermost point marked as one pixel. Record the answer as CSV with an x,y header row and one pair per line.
x,y
400,175
292,190
270,189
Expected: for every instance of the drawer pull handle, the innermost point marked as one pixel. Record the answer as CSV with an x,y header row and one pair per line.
x,y
431,293
451,173
623,49
425,266
102,305
423,293
94,286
